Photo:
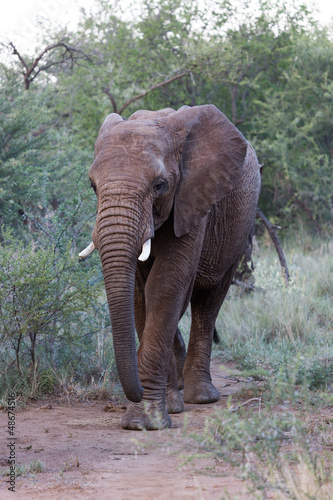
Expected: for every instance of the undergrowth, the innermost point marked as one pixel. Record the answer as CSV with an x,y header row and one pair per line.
x,y
278,434
275,326
55,335
281,445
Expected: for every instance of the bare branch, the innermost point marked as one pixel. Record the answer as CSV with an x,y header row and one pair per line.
x,y
277,244
16,53
235,408
106,91
158,85
32,70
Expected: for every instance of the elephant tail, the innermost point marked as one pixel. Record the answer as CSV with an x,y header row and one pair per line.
x,y
216,337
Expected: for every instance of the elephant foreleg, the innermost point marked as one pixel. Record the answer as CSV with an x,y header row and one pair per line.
x,y
137,414
150,413
174,267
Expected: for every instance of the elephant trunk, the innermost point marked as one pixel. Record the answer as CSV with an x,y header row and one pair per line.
x,y
119,247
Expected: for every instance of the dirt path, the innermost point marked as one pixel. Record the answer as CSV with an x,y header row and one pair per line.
x,y
88,455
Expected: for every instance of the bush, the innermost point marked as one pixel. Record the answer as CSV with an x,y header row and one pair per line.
x,y
47,303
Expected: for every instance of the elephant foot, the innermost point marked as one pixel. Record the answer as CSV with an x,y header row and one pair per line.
x,y
200,393
175,403
145,415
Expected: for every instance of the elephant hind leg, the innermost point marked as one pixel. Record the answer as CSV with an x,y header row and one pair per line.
x,y
179,351
174,400
205,305
216,337
175,403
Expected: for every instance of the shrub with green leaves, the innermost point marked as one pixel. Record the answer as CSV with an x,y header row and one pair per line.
x,y
47,303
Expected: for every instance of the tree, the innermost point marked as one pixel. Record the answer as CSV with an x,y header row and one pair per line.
x,y
246,53
56,54
269,70
143,62
294,133
42,168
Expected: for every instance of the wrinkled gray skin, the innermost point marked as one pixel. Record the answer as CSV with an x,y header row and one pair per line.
x,y
190,181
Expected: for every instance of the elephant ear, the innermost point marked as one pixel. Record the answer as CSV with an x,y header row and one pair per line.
x,y
213,154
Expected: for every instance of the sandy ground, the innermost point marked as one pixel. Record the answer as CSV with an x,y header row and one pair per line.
x,y
88,455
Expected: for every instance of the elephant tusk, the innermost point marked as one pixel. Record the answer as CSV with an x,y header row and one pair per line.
x,y
145,250
87,251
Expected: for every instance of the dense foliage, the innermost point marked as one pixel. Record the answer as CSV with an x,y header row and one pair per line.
x,y
269,70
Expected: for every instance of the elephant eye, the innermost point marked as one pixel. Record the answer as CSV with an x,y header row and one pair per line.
x,y
159,186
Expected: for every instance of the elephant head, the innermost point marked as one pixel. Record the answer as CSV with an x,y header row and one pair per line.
x,y
148,169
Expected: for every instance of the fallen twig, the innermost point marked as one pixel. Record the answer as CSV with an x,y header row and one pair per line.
x,y
235,408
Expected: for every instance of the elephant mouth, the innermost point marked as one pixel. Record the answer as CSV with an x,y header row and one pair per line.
x,y
144,255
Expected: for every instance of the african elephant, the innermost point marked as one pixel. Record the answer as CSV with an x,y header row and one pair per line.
x,y
183,186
